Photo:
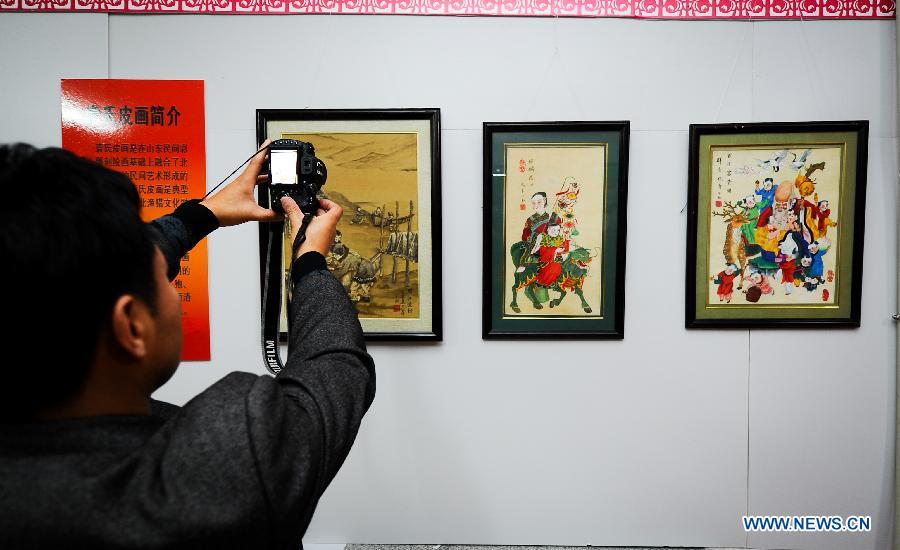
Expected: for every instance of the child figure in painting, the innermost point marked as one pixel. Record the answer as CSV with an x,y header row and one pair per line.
x,y
803,277
550,247
824,220
725,280
762,282
817,249
752,209
767,193
787,262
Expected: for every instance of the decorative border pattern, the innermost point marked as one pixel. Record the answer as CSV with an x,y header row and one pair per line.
x,y
640,9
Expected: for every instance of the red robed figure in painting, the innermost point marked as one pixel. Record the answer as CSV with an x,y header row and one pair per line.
x,y
550,247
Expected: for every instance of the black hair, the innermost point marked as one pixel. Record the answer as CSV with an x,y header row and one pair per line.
x,y
73,242
540,194
769,179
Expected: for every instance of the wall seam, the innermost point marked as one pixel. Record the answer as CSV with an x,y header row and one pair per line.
x,y
750,331
747,488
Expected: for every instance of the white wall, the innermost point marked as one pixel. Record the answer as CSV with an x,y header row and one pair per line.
x,y
665,438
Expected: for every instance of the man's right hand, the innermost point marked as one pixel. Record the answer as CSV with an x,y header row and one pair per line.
x,y
321,230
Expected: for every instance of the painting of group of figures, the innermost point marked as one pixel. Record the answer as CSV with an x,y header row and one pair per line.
x,y
375,250
777,230
775,221
381,172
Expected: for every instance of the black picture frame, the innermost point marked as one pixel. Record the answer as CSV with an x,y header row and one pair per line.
x,y
851,137
358,118
609,321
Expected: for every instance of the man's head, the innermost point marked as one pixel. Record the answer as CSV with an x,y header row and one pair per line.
x,y
85,289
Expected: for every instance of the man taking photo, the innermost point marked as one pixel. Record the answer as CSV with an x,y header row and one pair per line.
x,y
93,328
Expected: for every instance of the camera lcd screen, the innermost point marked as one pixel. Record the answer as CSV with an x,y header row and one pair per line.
x,y
283,166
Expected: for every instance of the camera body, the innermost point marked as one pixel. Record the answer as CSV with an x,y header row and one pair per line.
x,y
295,172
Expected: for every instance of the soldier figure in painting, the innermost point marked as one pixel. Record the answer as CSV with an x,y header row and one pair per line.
x,y
338,248
362,281
359,216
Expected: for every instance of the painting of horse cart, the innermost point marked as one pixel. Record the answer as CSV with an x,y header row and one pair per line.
x,y
554,229
384,171
775,224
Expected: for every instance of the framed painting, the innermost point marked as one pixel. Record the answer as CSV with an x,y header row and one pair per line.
x,y
384,169
775,224
554,229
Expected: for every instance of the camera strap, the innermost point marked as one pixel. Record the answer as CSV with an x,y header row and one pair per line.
x,y
273,278
271,283
272,234
271,296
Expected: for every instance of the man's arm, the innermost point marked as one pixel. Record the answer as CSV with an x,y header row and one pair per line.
x,y
303,423
328,369
177,233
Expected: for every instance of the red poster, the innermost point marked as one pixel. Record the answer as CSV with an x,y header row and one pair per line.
x,y
154,132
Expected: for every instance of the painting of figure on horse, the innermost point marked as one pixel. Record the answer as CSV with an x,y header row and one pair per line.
x,y
554,249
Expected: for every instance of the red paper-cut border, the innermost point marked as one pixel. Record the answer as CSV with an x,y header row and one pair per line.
x,y
641,9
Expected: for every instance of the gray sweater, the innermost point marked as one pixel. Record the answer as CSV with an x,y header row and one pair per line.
x,y
242,465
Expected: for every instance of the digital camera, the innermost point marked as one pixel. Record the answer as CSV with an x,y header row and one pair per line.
x,y
295,172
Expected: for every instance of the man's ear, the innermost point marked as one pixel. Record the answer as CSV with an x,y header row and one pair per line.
x,y
131,323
